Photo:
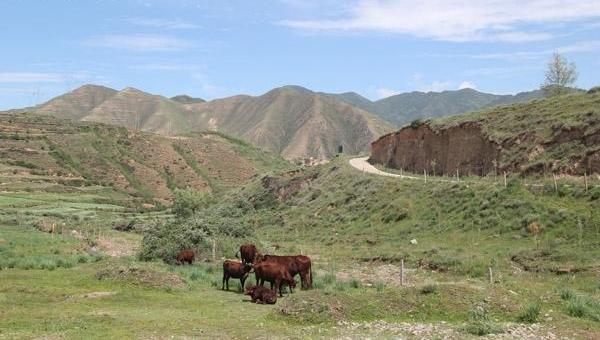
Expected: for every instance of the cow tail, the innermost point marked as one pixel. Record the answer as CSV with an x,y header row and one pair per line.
x,y
310,277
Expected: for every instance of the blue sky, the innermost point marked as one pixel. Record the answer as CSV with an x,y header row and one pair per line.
x,y
213,49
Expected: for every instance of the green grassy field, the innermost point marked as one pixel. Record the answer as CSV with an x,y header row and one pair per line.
x,y
356,227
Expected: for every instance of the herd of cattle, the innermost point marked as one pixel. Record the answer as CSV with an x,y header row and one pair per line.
x,y
278,270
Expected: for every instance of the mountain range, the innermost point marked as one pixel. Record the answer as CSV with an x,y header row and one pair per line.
x,y
292,121
403,108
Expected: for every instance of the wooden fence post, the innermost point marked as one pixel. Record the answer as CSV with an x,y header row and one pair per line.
x,y
402,272
457,175
585,181
555,183
214,250
490,276
425,175
505,179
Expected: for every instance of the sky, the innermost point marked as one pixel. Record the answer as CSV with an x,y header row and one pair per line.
x,y
218,48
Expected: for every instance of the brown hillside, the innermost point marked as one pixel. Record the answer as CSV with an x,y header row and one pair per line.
x,y
48,150
294,122
291,121
77,103
559,135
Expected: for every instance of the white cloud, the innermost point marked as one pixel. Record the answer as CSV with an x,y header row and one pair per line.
x,y
163,23
467,85
140,42
462,20
577,47
384,93
436,86
30,77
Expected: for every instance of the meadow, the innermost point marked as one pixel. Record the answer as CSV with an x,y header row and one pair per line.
x,y
89,279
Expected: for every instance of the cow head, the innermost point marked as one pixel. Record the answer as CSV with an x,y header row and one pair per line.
x,y
248,267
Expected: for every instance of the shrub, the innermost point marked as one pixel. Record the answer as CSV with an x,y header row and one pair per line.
x,y
429,289
416,123
584,307
594,89
354,283
224,223
566,294
380,286
480,323
530,313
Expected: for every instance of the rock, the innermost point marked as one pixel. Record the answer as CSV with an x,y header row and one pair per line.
x,y
413,241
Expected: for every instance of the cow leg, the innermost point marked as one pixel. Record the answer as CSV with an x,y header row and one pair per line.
x,y
278,287
242,280
227,282
223,285
303,282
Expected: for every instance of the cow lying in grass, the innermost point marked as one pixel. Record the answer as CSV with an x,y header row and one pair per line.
x,y
236,270
262,295
275,274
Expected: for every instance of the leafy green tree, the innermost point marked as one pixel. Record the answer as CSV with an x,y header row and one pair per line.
x,y
187,202
560,75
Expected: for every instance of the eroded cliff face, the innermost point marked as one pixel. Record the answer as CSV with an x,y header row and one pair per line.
x,y
464,148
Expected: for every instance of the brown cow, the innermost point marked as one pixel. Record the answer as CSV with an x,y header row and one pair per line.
x,y
236,270
275,274
262,295
248,253
297,264
186,256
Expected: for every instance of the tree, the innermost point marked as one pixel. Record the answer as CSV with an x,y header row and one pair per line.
x,y
560,75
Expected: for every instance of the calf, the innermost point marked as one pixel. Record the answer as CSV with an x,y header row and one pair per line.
x,y
236,270
275,274
262,295
186,256
248,253
297,264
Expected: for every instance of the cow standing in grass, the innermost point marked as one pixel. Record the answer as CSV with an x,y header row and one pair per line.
x,y
186,256
275,274
236,270
248,253
296,264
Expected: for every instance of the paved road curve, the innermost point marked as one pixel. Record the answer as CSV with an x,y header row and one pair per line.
x,y
364,166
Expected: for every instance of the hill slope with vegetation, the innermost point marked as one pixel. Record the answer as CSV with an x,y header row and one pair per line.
x,y
358,228
403,108
42,150
556,135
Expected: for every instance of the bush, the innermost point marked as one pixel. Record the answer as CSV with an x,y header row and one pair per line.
x,y
480,323
594,89
566,294
530,313
584,307
429,289
223,222
416,123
